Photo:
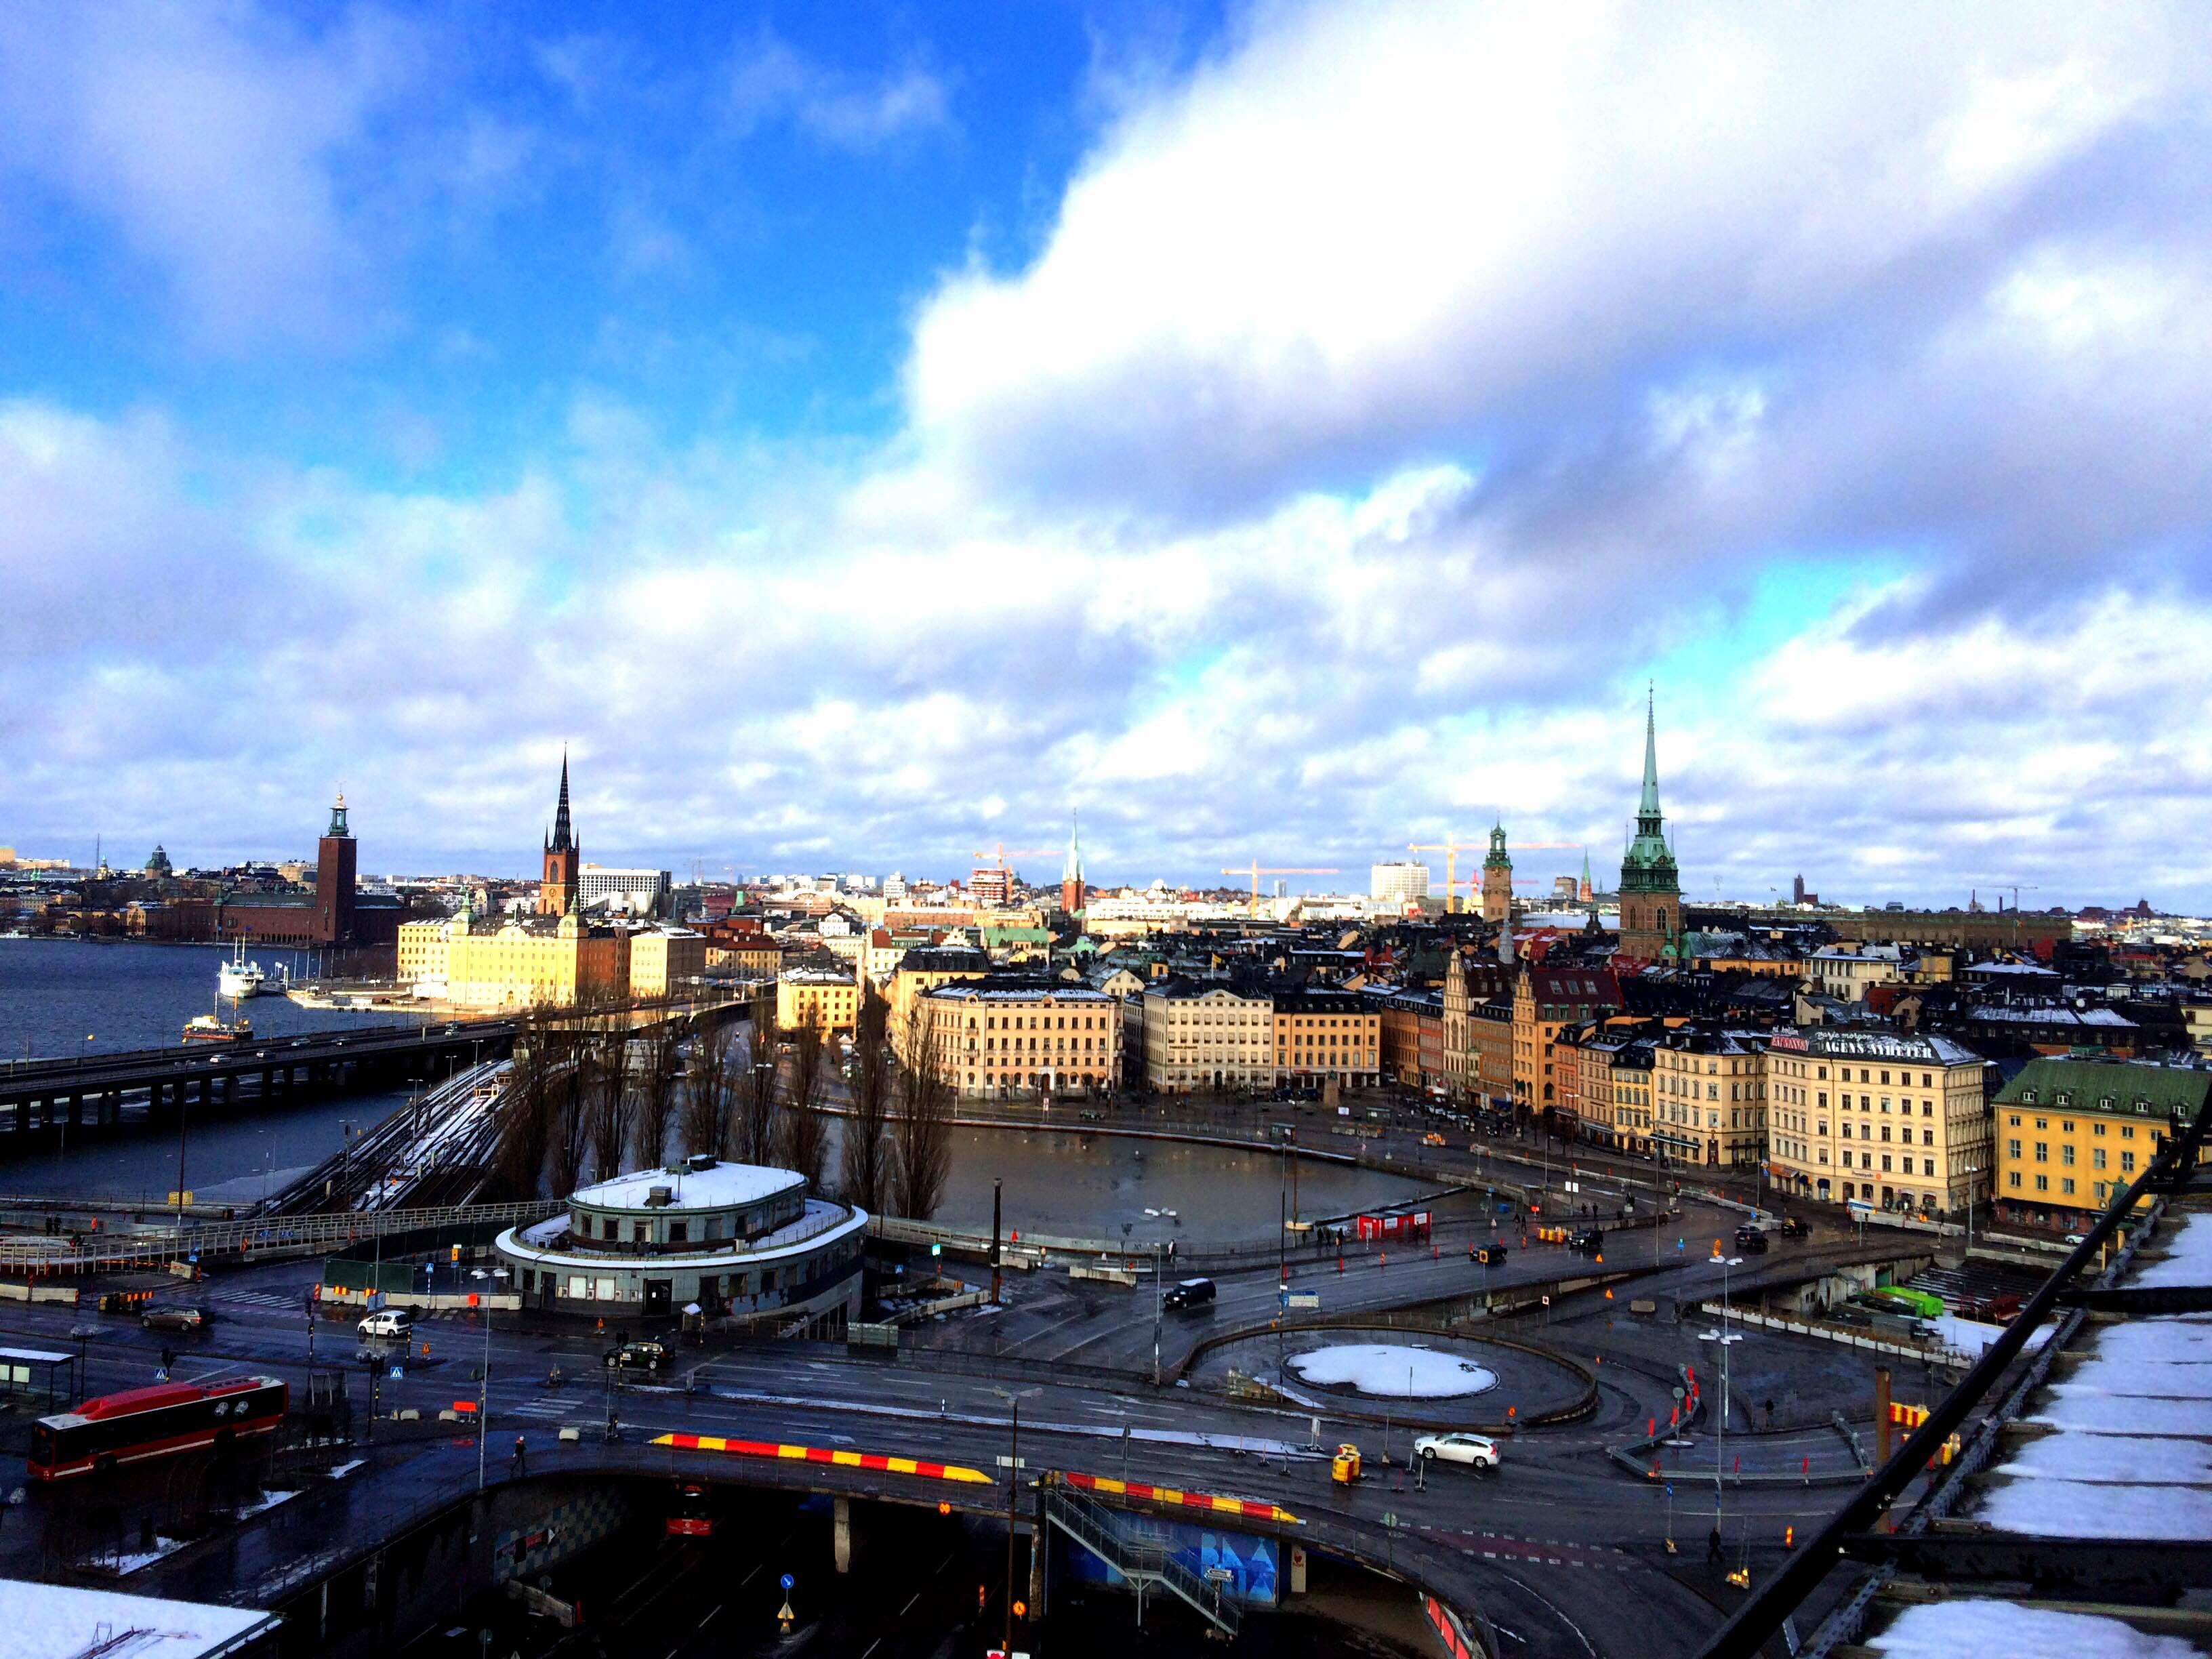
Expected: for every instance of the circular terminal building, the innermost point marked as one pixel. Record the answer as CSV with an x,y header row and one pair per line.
x,y
736,1239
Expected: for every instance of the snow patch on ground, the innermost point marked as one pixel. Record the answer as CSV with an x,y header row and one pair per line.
x,y
1385,1370
2117,1457
2188,1259
1947,1629
1970,1336
2178,1340
2094,1411
2073,1509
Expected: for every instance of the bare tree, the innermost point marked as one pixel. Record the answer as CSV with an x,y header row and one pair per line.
x,y
709,1085
805,1133
867,1160
562,1100
659,1070
922,1139
521,1128
602,1061
755,1125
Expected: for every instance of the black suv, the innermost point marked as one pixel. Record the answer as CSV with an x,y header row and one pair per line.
x,y
1793,1228
1190,1294
1588,1242
1752,1239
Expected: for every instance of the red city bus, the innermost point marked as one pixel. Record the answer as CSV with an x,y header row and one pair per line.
x,y
140,1424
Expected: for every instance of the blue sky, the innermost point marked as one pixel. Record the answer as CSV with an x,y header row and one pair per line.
x,y
862,434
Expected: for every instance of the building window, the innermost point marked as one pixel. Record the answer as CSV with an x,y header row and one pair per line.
x,y
2043,1152
2012,1178
2066,1185
2043,1183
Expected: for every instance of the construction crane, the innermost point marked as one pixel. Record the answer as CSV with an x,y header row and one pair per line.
x,y
1000,854
1449,846
1255,869
2013,887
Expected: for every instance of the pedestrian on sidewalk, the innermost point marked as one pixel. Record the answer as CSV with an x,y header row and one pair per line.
x,y
518,1454
1713,1547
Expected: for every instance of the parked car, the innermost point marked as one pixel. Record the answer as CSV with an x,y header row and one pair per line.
x,y
184,1322
646,1354
388,1322
1589,1240
1475,1450
1190,1294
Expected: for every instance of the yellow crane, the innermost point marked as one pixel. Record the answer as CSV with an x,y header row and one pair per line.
x,y
1255,869
1451,847
1000,854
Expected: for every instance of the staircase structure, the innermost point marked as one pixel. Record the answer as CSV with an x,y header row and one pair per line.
x,y
1148,1568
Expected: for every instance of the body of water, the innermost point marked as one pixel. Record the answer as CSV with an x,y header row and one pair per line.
x,y
60,997
54,993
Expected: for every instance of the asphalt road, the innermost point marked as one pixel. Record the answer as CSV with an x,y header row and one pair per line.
x,y
1560,1547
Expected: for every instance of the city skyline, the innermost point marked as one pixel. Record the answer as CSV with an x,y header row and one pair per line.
x,y
1291,431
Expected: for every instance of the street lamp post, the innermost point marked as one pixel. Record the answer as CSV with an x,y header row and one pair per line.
x,y
1725,1339
1013,1398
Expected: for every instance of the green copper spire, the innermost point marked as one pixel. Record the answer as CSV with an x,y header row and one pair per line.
x,y
1649,864
1647,811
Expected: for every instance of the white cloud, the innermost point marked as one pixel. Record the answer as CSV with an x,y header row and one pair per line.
x,y
771,82
1394,390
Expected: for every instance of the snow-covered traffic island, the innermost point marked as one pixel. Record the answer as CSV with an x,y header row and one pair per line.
x,y
1393,1371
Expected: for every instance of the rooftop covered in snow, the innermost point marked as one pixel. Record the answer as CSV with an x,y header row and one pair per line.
x,y
717,1186
56,1622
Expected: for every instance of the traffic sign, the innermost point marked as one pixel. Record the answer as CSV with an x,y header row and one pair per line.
x,y
397,1373
786,1581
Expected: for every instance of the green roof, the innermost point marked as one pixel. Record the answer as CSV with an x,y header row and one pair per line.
x,y
2097,1085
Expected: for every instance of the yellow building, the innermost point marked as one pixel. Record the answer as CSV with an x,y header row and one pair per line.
x,y
2071,1135
665,961
1206,1037
816,996
755,955
1900,1122
1546,1000
1328,1036
1709,1099
1000,1040
921,971
533,962
423,951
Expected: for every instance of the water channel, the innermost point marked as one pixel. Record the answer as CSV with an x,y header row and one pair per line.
x,y
53,994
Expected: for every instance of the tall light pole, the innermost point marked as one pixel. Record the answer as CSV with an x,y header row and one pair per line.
x,y
1726,1339
1013,1398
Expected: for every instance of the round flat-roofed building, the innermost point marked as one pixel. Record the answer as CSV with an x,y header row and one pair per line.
x,y
738,1239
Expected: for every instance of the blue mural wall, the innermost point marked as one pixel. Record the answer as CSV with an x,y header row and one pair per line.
x,y
1252,1563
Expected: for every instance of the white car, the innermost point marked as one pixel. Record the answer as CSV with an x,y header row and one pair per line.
x,y
388,1322
1477,1450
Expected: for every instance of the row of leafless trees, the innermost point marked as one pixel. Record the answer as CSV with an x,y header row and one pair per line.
x,y
585,1088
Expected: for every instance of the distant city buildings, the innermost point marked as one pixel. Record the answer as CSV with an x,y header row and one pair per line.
x,y
1397,882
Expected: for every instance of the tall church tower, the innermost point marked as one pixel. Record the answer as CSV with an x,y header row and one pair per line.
x,y
557,891
1497,879
1650,887
1070,870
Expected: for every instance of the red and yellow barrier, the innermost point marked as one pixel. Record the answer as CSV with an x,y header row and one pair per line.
x,y
1249,1509
843,1460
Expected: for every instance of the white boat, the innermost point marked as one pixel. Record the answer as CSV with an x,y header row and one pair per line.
x,y
239,978
1151,1213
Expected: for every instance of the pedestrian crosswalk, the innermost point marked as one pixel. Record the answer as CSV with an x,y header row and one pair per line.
x,y
277,1300
545,1409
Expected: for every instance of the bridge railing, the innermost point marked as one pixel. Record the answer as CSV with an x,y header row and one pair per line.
x,y
1092,1524
41,1255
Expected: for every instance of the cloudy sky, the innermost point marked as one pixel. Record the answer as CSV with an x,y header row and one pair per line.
x,y
862,435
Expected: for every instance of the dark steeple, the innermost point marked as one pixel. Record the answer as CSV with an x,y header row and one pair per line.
x,y
563,836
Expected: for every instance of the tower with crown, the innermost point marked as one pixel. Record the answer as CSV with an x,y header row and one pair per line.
x,y
1070,870
556,893
1497,879
1650,886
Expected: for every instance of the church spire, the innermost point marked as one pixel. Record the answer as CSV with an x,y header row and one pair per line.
x,y
1649,807
563,835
